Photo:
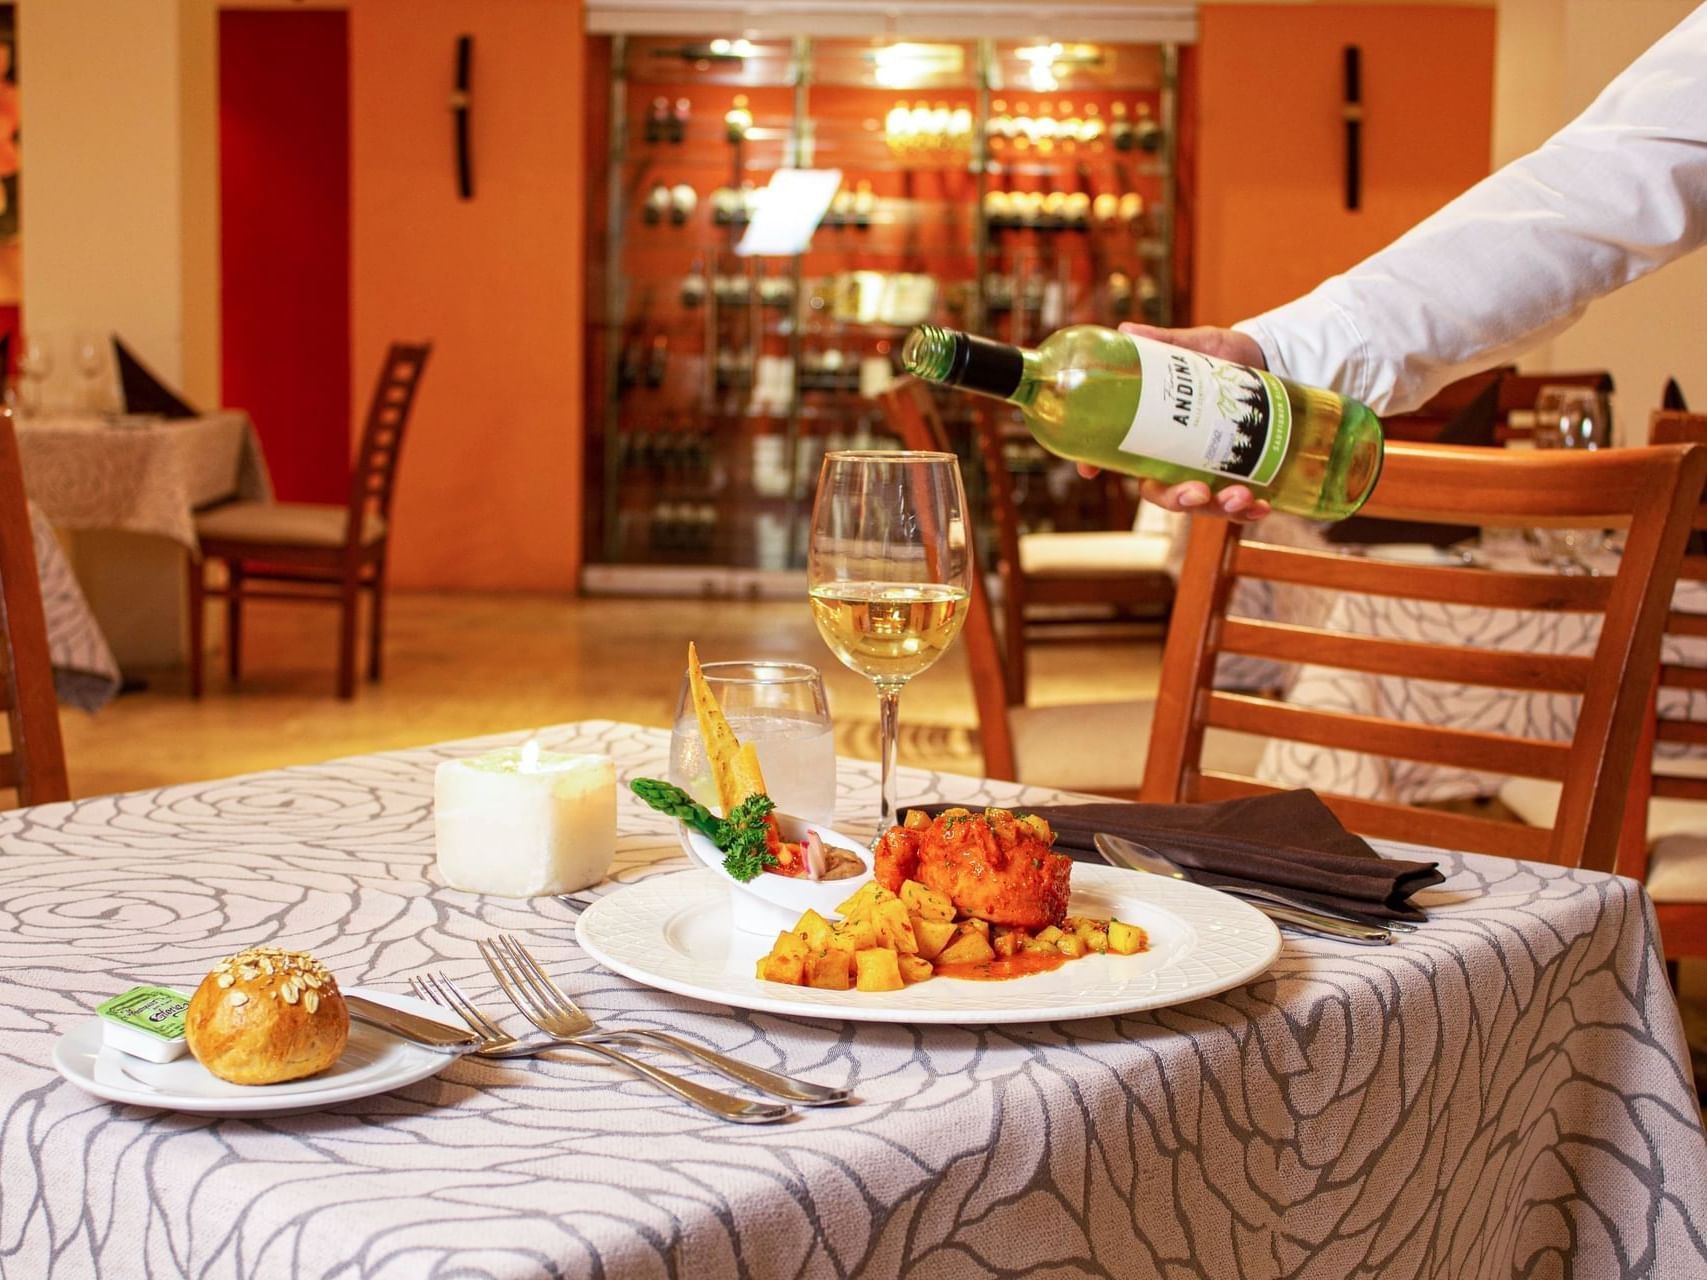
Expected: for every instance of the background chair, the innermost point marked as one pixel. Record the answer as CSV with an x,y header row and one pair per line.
x,y
314,551
34,764
1514,407
1653,490
1666,836
1093,747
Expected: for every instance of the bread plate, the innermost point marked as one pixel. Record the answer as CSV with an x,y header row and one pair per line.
x,y
373,1062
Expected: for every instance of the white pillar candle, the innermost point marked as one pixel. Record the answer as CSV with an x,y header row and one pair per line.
x,y
522,823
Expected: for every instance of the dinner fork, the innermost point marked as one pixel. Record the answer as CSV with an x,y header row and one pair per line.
x,y
549,1008
788,1088
495,1042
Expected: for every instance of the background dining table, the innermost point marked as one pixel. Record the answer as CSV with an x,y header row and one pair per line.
x,y
1504,1091
125,490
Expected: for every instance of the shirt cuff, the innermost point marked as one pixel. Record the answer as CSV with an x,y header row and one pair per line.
x,y
1314,341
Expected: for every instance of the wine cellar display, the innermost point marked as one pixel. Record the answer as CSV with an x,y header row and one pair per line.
x,y
999,187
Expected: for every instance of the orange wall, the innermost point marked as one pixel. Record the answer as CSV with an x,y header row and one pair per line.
x,y
490,488
1270,220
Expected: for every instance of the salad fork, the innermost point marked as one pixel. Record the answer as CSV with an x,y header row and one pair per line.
x,y
546,1005
496,1043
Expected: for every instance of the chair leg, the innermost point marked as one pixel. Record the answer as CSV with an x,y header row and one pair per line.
x,y
198,618
376,624
234,621
348,608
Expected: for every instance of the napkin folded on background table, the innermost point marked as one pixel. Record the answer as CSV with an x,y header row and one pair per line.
x,y
1290,841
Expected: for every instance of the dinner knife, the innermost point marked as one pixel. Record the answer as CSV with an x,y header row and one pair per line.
x,y
1125,853
427,1032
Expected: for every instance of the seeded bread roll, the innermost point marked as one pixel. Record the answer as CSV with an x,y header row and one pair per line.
x,y
266,1015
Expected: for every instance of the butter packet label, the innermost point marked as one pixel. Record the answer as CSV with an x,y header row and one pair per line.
x,y
158,1011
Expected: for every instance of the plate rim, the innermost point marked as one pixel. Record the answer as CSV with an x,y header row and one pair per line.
x,y
793,1007
429,1064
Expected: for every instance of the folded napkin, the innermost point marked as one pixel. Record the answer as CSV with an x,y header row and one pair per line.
x,y
1290,841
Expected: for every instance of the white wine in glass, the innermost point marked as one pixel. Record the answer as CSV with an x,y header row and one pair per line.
x,y
889,569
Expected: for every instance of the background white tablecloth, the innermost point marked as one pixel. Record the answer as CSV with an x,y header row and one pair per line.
x,y
1504,1092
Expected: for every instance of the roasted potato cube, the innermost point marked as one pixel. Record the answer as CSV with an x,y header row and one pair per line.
x,y
1039,827
867,896
783,968
830,970
916,820
861,931
933,935
895,928
1005,944
1125,939
879,970
1071,945
969,946
813,930
982,926
1039,947
1049,933
914,968
926,902
1094,933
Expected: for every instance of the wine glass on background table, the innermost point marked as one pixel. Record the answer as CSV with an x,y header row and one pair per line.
x,y
781,709
90,353
35,364
1572,418
889,571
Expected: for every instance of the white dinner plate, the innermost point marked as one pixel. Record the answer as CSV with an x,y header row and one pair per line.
x,y
674,932
373,1061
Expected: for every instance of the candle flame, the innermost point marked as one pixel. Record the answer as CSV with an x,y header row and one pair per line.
x,y
530,756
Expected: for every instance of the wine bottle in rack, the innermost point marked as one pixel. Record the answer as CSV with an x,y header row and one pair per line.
x,y
1148,408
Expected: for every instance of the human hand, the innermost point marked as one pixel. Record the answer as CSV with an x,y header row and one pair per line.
x,y
1235,502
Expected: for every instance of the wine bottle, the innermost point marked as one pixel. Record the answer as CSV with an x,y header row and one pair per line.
x,y
1147,408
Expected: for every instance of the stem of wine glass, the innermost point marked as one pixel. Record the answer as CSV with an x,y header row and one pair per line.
x,y
888,726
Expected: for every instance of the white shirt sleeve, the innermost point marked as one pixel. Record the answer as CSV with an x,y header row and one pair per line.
x,y
1619,191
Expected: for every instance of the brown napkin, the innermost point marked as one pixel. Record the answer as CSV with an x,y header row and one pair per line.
x,y
1290,841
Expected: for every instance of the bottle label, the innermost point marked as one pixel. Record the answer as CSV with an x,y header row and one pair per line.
x,y
1208,414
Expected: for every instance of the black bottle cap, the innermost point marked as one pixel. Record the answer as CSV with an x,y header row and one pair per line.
x,y
993,368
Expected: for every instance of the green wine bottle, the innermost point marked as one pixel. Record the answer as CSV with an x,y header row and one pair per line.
x,y
1147,408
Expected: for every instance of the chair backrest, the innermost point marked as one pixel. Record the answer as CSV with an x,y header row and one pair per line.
x,y
1004,522
375,474
1678,715
911,413
34,766
1654,491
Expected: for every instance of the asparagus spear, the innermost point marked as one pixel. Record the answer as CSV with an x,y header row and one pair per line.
x,y
671,800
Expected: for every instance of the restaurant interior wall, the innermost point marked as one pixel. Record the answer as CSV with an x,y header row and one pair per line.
x,y
490,486
1555,56
1271,215
284,178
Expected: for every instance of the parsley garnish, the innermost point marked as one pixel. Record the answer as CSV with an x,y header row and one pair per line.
x,y
745,838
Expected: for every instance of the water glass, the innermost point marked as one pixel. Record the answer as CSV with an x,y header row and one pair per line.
x,y
1571,418
781,709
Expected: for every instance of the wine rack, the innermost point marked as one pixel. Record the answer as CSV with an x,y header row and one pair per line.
x,y
984,186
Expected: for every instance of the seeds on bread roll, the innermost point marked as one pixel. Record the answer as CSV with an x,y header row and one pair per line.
x,y
266,1015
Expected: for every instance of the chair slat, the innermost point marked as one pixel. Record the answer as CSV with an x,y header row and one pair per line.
x,y
1487,588
1371,735
1689,732
1459,664
1673,676
1686,624
1672,787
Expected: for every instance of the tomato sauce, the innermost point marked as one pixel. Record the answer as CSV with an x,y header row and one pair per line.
x,y
1015,966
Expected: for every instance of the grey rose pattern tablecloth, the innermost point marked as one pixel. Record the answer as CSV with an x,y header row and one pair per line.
x,y
1500,1094
85,673
148,477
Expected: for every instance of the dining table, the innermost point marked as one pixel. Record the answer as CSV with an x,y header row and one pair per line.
x,y
123,491
1505,1091
85,672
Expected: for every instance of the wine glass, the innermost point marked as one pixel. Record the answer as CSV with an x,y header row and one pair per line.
x,y
91,357
781,709
35,363
1571,418
889,570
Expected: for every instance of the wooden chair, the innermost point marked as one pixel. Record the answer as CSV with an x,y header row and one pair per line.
x,y
1092,747
34,764
314,551
1118,568
1666,835
1653,490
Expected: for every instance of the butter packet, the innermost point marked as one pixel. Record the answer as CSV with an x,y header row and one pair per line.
x,y
145,1022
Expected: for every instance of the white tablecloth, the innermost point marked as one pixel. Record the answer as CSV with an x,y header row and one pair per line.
x,y
148,476
1504,1092
85,674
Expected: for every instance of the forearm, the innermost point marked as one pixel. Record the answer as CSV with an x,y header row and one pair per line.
x,y
1617,193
